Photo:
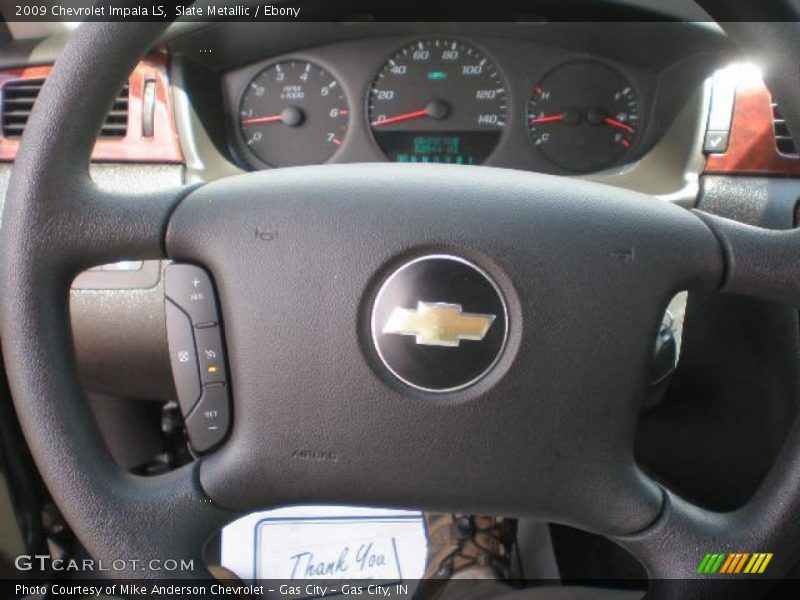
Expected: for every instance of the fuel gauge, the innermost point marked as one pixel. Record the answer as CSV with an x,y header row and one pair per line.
x,y
584,116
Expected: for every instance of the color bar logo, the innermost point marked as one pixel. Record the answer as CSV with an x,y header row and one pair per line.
x,y
735,563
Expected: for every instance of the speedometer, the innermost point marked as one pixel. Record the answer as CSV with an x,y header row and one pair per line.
x,y
439,101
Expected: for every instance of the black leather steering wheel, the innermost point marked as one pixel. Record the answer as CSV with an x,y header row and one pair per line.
x,y
548,434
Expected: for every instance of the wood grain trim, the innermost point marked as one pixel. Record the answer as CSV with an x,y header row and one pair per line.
x,y
162,147
751,146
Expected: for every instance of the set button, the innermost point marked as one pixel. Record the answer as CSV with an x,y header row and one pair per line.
x,y
209,421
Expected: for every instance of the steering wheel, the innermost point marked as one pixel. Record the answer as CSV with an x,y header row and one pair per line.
x,y
585,272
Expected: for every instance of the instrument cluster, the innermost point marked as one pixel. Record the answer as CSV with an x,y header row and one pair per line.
x,y
439,100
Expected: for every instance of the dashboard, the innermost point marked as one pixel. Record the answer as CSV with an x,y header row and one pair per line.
x,y
557,98
473,100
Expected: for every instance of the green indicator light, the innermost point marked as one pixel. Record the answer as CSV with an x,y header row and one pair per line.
x,y
437,75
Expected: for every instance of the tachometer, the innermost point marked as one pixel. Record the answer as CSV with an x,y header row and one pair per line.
x,y
584,116
440,101
293,113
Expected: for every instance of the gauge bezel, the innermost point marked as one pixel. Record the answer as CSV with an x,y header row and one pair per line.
x,y
243,151
354,63
642,119
410,41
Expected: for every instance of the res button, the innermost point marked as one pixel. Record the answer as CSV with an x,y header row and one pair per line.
x,y
190,288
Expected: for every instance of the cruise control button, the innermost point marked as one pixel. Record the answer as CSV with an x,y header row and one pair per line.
x,y
190,288
208,423
211,354
183,357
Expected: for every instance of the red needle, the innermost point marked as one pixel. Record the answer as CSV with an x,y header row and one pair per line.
x,y
618,124
260,120
417,114
549,119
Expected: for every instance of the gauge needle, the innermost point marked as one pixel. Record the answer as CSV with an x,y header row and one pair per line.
x,y
548,119
436,109
417,114
261,120
291,116
618,124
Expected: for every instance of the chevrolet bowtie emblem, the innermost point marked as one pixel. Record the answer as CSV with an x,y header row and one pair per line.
x,y
438,324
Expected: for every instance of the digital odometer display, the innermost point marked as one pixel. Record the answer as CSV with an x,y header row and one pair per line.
x,y
439,101
463,148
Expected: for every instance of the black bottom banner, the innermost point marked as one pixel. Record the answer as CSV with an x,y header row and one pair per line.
x,y
203,589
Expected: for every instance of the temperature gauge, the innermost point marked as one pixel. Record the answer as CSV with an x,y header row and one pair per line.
x,y
584,116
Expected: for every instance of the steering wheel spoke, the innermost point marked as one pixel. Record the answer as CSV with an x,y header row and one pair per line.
x,y
674,546
122,226
759,262
85,227
691,553
174,519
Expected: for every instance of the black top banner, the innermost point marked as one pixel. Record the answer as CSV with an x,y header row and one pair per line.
x,y
351,10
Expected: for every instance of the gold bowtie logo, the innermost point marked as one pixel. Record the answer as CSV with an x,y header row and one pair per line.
x,y
438,324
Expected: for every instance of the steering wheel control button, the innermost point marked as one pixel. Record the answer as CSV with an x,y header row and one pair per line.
x,y
190,288
211,355
439,323
208,423
198,354
183,357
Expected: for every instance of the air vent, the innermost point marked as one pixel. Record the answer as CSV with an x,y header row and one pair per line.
x,y
783,139
116,123
17,98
